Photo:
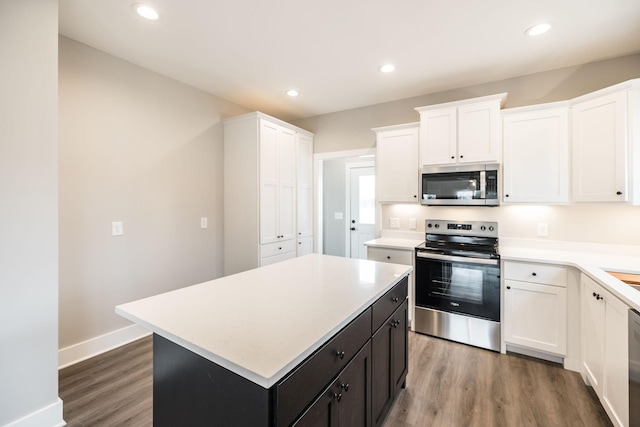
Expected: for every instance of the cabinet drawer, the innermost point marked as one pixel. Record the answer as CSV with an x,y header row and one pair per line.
x,y
536,273
396,256
298,389
388,303
277,248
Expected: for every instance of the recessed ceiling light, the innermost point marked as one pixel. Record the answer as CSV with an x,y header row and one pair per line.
x,y
292,92
387,68
145,11
536,30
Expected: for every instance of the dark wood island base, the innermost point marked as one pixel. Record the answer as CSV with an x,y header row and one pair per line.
x,y
351,380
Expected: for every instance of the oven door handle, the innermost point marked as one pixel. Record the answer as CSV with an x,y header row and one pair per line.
x,y
458,258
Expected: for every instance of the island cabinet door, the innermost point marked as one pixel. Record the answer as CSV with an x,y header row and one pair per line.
x,y
347,400
389,357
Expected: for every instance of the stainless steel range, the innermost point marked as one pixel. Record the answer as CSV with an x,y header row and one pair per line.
x,y
457,283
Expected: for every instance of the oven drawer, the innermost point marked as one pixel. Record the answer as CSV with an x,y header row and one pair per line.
x,y
300,387
544,274
388,303
396,256
277,248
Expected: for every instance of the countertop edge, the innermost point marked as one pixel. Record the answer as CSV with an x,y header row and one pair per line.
x,y
247,373
595,271
393,243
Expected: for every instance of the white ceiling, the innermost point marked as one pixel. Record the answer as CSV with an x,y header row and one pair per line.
x,y
251,51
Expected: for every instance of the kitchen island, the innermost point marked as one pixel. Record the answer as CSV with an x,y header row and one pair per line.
x,y
292,342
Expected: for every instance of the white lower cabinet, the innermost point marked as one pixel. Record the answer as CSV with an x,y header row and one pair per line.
x,y
605,348
396,256
305,246
536,307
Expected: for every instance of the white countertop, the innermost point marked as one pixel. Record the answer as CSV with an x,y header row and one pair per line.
x,y
394,243
590,258
262,323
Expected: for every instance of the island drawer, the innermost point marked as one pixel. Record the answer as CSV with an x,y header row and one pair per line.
x,y
297,390
396,256
388,303
532,272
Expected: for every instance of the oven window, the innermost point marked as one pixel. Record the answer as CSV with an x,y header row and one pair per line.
x,y
458,283
459,287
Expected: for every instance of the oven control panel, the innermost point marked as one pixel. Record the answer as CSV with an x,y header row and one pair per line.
x,y
465,228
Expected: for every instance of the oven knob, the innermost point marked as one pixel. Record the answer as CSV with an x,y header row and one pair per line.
x,y
437,225
429,225
483,228
491,228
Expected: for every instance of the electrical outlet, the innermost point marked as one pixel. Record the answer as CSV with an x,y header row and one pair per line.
x,y
543,229
204,222
117,228
394,222
412,224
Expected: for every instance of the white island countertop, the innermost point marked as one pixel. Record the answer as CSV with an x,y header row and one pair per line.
x,y
262,323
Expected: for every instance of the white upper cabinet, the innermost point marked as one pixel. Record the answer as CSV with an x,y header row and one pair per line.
x,y
397,163
605,144
536,154
438,136
461,132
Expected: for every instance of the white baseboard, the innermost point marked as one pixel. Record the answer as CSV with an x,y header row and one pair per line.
x,y
78,352
50,415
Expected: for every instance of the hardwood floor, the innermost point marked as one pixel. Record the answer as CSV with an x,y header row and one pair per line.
x,y
112,389
449,384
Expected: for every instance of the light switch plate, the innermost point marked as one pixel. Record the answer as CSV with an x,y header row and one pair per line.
x,y
117,228
543,229
394,222
204,222
338,215
412,224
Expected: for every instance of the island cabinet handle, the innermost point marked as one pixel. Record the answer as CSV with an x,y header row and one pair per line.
x,y
340,354
345,387
395,299
337,396
395,323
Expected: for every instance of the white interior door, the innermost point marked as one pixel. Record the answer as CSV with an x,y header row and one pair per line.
x,y
362,209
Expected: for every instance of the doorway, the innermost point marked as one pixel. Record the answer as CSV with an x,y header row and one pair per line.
x,y
332,217
360,201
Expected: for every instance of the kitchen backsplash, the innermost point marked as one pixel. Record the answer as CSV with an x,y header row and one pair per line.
x,y
595,223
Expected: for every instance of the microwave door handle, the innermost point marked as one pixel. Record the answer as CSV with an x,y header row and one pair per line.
x,y
483,184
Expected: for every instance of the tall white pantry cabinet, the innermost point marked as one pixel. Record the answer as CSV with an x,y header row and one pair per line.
x,y
266,165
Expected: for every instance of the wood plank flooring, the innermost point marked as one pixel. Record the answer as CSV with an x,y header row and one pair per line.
x,y
448,385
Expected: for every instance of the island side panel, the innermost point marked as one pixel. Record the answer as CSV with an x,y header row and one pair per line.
x,y
189,390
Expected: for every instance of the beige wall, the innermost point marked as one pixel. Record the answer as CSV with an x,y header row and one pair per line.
x,y
146,150
348,130
29,213
351,129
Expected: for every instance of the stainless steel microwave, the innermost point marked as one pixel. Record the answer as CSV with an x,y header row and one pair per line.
x,y
464,185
